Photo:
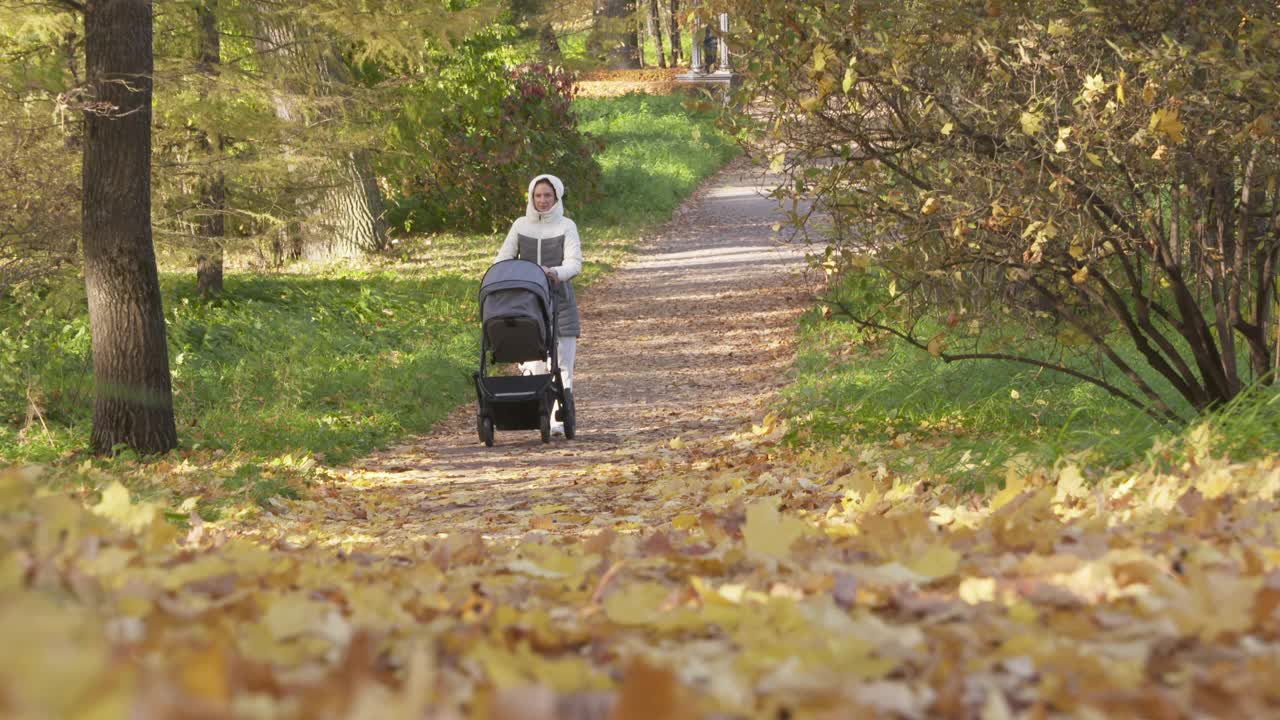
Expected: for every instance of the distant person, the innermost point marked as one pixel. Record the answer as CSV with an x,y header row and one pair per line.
x,y
710,50
545,236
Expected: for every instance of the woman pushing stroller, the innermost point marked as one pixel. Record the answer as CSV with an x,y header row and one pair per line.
x,y
543,235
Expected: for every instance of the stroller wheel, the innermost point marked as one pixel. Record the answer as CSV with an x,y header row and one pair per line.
x,y
570,413
546,427
484,426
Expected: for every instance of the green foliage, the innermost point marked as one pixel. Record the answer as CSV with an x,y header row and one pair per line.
x,y
470,135
332,365
277,117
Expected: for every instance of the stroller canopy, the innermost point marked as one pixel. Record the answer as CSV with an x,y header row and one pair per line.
x,y
516,275
516,311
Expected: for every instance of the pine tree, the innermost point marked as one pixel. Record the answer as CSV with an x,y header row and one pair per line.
x,y
211,225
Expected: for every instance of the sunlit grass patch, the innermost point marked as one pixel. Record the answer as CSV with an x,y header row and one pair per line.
x,y
968,420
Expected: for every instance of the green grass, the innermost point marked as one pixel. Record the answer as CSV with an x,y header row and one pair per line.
x,y
573,50
966,420
289,369
332,365
656,154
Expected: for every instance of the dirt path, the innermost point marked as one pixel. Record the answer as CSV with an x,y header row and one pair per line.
x,y
694,333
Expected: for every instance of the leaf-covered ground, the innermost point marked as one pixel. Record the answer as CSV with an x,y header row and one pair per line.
x,y
677,561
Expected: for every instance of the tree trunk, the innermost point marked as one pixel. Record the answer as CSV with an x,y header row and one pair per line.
x,y
211,228
639,39
595,38
347,218
619,34
134,397
655,30
548,45
677,53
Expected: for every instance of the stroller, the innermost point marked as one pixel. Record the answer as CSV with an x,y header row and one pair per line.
x,y
518,317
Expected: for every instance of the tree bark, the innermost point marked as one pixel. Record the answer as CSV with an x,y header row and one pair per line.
x,y
655,30
619,34
677,53
211,227
347,218
595,38
548,44
133,405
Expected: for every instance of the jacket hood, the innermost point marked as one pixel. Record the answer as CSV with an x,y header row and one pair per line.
x,y
557,211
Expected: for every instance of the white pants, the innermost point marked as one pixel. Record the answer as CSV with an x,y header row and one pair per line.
x,y
568,353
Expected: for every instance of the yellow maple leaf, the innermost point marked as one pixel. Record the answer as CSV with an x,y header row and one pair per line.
x,y
293,614
1032,122
684,521
1166,122
820,57
936,562
1071,484
1014,484
769,533
636,604
778,163
975,591
937,344
117,506
1094,86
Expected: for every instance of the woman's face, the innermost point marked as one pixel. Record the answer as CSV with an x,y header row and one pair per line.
x,y
544,198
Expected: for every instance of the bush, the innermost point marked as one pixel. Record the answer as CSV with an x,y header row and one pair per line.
x,y
469,141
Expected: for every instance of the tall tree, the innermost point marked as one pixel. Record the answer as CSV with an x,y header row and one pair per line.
x,y
345,216
211,224
595,38
548,43
533,16
655,31
676,51
134,397
614,35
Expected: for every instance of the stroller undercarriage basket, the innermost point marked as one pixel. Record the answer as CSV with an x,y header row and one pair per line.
x,y
518,320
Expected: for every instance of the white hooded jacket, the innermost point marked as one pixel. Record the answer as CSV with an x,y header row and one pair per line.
x,y
545,226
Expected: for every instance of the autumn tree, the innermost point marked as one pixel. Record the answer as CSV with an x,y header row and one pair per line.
x,y
1105,174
